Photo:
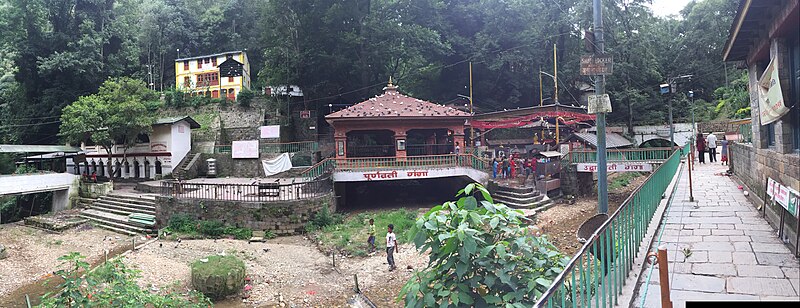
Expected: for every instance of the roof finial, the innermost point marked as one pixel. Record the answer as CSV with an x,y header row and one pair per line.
x,y
390,88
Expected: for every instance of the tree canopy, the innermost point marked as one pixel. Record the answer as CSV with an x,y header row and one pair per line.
x,y
53,52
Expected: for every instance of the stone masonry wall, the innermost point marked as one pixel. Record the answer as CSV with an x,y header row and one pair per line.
x,y
282,218
753,166
240,168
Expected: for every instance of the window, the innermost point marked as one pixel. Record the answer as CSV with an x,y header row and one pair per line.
x,y
207,60
794,99
187,81
215,94
214,61
199,63
770,134
230,79
185,65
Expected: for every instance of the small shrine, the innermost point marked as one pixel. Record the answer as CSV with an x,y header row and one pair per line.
x,y
396,125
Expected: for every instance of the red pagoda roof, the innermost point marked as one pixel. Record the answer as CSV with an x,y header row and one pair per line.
x,y
393,104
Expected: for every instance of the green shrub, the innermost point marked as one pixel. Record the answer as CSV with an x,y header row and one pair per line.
x,y
324,218
219,276
245,97
182,223
239,233
212,228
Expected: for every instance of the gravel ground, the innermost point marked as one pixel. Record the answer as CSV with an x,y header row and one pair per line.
x,y
291,269
33,253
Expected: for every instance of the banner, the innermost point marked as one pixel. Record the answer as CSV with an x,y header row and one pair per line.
x,y
277,165
770,97
616,167
270,131
244,149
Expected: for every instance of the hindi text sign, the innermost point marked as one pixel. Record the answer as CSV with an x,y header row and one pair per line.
x,y
616,167
597,65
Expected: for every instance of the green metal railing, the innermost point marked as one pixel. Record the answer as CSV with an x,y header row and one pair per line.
x,y
396,163
594,277
641,154
284,147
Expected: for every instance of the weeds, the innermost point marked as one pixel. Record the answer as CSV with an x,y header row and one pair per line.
x,y
350,235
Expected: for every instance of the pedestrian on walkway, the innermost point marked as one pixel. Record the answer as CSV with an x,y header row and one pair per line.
x,y
494,168
724,150
504,165
711,143
371,239
701,148
391,247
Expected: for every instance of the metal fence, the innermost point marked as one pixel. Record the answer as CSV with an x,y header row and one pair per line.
x,y
640,154
278,147
256,192
596,274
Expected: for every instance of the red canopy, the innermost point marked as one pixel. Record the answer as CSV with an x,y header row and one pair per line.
x,y
567,117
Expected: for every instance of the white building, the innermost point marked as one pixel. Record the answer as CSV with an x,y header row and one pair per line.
x,y
156,154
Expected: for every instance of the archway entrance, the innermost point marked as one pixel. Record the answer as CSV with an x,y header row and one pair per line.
x,y
158,167
656,143
136,169
429,142
370,143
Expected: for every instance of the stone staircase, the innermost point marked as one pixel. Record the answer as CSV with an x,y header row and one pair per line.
x,y
186,164
111,212
520,197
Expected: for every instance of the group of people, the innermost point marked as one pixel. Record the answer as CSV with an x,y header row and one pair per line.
x,y
510,168
709,144
391,243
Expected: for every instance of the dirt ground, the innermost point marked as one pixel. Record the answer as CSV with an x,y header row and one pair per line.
x,y
287,268
561,222
34,253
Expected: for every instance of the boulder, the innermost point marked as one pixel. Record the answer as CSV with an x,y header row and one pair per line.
x,y
3,252
218,276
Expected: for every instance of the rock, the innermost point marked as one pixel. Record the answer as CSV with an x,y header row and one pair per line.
x,y
219,277
3,252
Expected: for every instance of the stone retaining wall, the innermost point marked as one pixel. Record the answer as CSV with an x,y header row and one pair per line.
x,y
753,166
282,218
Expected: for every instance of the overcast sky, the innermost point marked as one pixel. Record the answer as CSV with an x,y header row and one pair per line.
x,y
668,7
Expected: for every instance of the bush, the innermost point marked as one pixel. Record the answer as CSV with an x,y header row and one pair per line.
x,y
212,228
324,218
239,233
111,284
245,97
182,223
481,255
219,276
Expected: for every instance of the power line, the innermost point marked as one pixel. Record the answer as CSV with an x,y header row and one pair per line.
x,y
27,125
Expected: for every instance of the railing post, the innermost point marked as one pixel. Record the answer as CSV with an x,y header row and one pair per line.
x,y
663,276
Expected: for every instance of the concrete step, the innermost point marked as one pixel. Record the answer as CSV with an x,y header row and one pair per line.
x,y
127,205
86,202
526,200
114,220
516,205
510,194
520,190
119,210
130,199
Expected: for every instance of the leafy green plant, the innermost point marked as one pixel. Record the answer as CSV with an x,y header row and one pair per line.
x,y
245,97
212,228
480,255
111,284
239,233
324,218
182,223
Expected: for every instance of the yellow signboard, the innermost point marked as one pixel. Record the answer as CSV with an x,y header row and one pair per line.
x,y
771,106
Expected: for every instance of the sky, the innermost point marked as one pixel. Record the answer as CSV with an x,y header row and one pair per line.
x,y
668,7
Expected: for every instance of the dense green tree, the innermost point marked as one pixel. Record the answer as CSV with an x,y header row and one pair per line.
x,y
111,118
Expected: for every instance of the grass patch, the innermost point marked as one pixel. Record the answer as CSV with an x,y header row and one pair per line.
x,y
623,180
350,236
185,227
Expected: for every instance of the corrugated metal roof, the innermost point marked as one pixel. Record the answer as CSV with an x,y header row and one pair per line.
x,y
208,56
25,148
613,140
173,120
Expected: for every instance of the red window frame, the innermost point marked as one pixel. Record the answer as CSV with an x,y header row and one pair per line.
x,y
185,65
200,63
230,79
214,61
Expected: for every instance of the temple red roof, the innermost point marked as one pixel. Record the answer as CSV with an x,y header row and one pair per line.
x,y
393,104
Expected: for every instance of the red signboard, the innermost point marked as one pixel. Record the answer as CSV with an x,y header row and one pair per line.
x,y
305,114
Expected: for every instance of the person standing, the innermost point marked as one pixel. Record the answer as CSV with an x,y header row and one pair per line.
x,y
371,239
711,143
701,148
724,150
391,247
504,165
458,148
494,168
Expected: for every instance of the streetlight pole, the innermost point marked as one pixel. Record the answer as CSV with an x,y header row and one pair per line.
x,y
471,127
600,89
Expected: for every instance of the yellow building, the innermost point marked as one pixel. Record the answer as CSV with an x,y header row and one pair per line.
x,y
218,75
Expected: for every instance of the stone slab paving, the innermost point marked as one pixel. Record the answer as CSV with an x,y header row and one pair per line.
x,y
720,248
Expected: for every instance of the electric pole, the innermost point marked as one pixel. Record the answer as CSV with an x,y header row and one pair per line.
x,y
602,172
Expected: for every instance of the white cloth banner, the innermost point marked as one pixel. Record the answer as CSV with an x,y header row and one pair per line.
x,y
277,165
244,149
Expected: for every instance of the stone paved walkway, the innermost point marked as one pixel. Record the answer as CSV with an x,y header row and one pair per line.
x,y
719,247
